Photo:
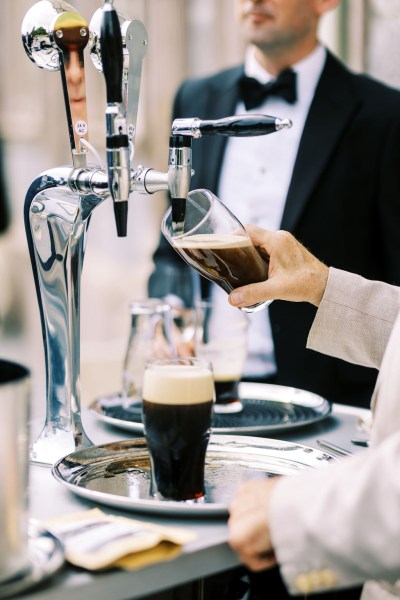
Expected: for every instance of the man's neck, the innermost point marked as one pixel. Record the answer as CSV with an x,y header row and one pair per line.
x,y
276,62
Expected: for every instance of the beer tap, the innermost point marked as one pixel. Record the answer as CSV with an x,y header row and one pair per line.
x,y
71,35
177,179
117,144
59,202
179,175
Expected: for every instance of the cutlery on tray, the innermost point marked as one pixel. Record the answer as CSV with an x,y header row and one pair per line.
x,y
327,445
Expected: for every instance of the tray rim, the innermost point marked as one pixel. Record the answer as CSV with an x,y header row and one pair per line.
x,y
158,507
245,388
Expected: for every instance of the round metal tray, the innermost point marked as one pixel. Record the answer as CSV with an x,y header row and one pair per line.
x,y
267,408
118,474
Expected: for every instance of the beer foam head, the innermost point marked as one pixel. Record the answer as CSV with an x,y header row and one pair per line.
x,y
227,365
224,373
212,241
178,384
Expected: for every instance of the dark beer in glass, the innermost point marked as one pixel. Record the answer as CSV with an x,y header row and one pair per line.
x,y
230,260
178,396
216,244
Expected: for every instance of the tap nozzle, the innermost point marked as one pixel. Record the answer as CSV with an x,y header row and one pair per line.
x,y
179,176
117,143
118,166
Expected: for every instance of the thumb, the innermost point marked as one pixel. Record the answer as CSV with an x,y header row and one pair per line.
x,y
252,294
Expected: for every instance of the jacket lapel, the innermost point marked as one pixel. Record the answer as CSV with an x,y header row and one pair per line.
x,y
331,111
221,103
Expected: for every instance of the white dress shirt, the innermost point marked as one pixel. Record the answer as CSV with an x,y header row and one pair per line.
x,y
255,179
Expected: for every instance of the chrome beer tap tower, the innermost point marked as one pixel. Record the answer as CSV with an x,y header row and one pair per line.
x,y
60,201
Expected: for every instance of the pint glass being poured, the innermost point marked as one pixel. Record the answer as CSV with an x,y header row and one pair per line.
x,y
216,244
178,396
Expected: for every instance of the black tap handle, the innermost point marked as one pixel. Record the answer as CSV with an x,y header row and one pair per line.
x,y
242,125
239,126
111,53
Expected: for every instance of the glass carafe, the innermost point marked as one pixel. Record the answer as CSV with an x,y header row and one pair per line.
x,y
150,338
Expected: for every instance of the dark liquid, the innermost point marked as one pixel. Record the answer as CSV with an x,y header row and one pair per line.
x,y
177,452
226,391
229,267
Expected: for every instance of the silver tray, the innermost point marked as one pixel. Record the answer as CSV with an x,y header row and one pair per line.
x,y
267,409
46,557
118,474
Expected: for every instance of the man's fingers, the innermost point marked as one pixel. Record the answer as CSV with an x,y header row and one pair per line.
x,y
259,236
251,547
255,563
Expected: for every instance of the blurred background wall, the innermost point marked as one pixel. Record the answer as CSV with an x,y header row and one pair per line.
x,y
186,38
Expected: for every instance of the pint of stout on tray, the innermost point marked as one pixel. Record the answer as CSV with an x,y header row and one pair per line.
x,y
221,338
216,244
178,396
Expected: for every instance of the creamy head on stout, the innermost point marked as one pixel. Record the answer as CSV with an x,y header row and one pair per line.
x,y
227,375
213,241
177,384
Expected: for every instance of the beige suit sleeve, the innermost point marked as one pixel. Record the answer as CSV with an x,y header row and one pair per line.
x,y
339,526
354,319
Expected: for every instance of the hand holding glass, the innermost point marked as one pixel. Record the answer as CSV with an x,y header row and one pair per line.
x,y
216,244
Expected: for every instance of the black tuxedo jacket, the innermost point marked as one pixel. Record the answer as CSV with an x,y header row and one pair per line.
x,y
4,208
343,204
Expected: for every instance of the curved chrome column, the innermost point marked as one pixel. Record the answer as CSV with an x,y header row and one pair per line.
x,y
56,222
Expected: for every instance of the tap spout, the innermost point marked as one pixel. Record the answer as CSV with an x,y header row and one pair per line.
x,y
117,143
179,176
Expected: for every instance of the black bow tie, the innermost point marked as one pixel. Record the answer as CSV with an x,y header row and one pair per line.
x,y
253,93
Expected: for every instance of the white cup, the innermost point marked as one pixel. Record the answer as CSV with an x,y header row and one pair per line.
x,y
14,463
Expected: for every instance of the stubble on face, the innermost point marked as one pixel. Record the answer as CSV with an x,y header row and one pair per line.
x,y
278,27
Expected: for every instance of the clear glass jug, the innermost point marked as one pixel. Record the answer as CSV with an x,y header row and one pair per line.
x,y
150,338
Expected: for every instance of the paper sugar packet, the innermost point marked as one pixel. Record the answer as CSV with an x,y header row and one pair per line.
x,y
95,540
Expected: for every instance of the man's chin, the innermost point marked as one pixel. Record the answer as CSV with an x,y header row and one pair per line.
x,y
257,31
257,38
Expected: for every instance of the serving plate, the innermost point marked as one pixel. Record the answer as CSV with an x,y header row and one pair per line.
x,y
267,408
46,557
118,474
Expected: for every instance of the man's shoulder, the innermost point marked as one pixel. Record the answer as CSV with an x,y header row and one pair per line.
x,y
363,85
375,89
224,77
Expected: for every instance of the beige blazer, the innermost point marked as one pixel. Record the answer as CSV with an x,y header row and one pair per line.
x,y
339,526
